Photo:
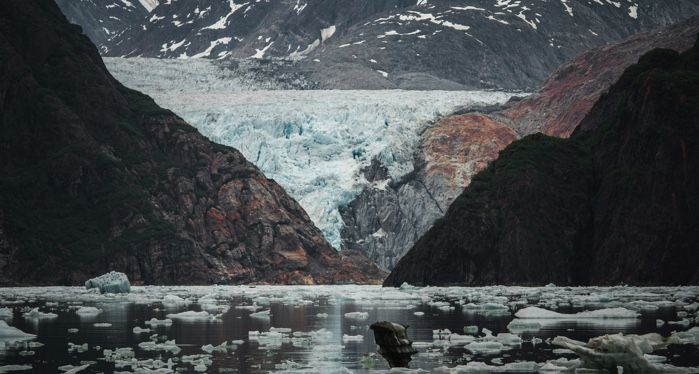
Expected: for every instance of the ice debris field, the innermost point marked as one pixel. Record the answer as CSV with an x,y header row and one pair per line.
x,y
324,329
313,143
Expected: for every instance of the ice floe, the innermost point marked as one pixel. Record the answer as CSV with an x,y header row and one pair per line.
x,y
112,282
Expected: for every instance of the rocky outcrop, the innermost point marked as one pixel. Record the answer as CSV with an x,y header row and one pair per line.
x,y
616,202
96,177
386,219
409,44
447,160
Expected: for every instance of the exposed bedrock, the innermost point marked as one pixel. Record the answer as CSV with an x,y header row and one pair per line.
x,y
387,218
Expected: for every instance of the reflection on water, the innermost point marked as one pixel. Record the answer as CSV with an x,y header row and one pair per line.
x,y
292,337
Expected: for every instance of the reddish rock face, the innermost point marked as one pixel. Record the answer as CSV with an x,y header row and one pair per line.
x,y
96,177
570,92
458,147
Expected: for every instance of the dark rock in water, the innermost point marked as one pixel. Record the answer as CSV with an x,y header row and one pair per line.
x,y
96,177
393,342
616,202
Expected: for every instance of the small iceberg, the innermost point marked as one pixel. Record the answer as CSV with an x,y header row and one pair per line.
x,y
262,314
11,334
112,282
36,314
533,312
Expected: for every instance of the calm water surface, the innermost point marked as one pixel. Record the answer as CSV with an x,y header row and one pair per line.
x,y
345,345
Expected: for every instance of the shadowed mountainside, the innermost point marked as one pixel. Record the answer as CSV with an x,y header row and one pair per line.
x,y
96,177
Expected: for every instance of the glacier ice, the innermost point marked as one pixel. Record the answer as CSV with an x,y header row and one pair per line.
x,y
112,282
314,143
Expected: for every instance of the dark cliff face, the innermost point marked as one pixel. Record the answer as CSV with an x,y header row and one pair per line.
x,y
410,44
96,177
617,202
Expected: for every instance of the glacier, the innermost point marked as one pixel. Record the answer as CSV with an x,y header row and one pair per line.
x,y
314,143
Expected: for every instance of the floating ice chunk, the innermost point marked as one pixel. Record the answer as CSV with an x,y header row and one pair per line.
x,y
159,322
6,313
88,311
684,322
419,314
36,314
10,334
471,329
174,301
253,308
461,339
322,315
190,315
9,368
611,351
265,314
359,316
219,348
102,324
352,338
167,346
508,339
519,326
73,330
139,330
487,309
659,323
80,348
487,348
406,287
482,367
690,336
70,369
539,313
112,282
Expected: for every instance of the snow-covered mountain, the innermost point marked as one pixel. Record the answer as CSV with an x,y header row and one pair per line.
x,y
451,44
313,143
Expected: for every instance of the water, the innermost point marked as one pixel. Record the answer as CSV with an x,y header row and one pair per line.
x,y
302,309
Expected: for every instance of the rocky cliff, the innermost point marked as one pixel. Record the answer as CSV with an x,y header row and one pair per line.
x,y
410,44
616,202
96,177
386,220
410,207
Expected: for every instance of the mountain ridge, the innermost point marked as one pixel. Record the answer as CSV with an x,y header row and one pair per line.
x,y
409,44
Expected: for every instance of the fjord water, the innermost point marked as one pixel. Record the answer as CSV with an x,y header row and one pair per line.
x,y
309,309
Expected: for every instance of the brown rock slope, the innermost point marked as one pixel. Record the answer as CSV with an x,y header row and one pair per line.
x,y
96,177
